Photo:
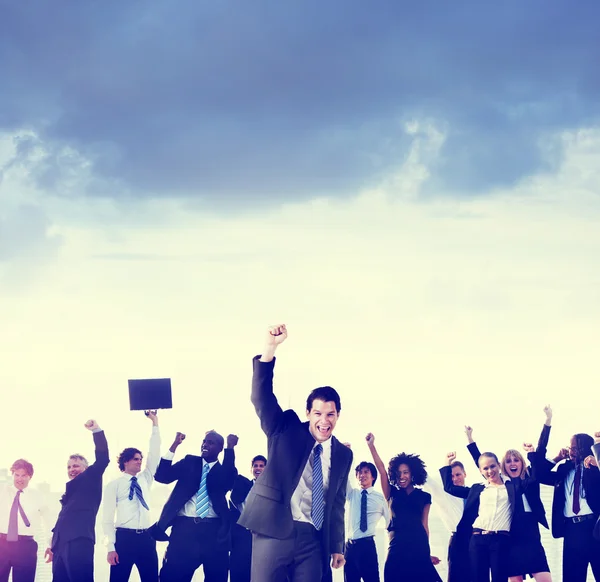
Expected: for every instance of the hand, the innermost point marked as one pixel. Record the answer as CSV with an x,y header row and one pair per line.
x,y
469,433
151,414
597,438
92,425
276,334
562,454
548,412
528,447
370,438
451,457
590,461
435,560
232,440
179,438
337,561
48,555
112,558
347,445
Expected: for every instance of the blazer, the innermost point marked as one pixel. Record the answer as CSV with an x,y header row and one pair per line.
x,y
472,494
289,443
532,494
241,488
556,479
596,453
188,474
80,503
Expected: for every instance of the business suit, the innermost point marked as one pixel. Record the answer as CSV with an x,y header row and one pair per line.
x,y
580,548
596,453
74,536
240,558
268,510
195,541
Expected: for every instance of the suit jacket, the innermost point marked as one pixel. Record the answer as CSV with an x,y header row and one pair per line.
x,y
188,474
532,494
80,503
268,506
241,488
596,452
547,476
472,494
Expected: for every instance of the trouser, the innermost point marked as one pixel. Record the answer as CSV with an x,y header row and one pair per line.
x,y
195,542
459,569
135,548
361,561
298,558
73,561
20,557
240,557
580,549
488,554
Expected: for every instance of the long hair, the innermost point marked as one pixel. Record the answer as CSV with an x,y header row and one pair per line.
x,y
518,455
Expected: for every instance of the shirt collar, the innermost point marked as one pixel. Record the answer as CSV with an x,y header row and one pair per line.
x,y
325,444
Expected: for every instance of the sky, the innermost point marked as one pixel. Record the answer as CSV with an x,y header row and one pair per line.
x,y
412,188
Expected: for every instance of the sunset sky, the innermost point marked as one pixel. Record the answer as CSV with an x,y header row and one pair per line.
x,y
413,188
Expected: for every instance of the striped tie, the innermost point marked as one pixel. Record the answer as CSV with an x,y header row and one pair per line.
x,y
318,499
202,505
135,489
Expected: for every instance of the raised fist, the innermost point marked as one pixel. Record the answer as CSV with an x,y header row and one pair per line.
x,y
528,447
91,425
232,440
179,438
451,456
370,438
548,411
276,334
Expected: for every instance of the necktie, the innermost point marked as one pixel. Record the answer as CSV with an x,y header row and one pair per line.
x,y
202,505
135,489
13,520
363,510
318,499
577,490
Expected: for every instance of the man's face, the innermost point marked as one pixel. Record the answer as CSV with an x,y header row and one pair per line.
x,y
365,478
212,445
257,468
458,476
321,419
133,466
574,452
75,467
21,479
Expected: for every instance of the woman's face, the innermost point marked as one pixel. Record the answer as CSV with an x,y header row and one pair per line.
x,y
513,466
490,470
404,476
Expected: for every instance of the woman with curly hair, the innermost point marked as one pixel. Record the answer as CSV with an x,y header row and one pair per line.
x,y
409,558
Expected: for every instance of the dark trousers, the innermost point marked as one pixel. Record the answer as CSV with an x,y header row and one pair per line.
x,y
361,561
298,558
20,557
580,549
193,543
459,568
73,561
489,553
135,549
240,557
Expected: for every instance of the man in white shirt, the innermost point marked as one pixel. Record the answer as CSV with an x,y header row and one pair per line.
x,y
21,509
129,541
366,507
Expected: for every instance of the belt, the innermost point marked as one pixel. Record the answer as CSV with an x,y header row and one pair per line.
x,y
4,537
485,532
132,530
580,518
200,520
361,539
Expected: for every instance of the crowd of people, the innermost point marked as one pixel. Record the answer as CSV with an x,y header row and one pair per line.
x,y
307,508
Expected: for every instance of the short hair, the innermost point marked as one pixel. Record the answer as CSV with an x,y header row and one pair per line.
x,y
457,464
367,465
518,455
415,464
79,457
489,456
126,455
219,437
584,443
259,458
326,394
22,464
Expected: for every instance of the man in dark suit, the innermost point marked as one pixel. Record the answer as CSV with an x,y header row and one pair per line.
x,y
197,510
72,552
296,509
240,558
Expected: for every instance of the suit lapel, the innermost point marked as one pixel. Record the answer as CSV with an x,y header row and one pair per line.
x,y
334,471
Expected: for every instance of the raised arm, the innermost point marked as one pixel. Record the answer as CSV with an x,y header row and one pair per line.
x,y
167,472
101,449
229,470
472,446
446,475
383,476
153,457
542,447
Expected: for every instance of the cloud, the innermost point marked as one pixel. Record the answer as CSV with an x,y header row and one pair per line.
x,y
244,105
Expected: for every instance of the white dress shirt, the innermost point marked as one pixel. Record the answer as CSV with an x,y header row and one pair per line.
x,y
377,507
34,506
584,507
449,508
301,502
494,509
130,513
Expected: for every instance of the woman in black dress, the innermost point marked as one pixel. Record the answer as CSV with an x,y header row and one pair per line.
x,y
409,558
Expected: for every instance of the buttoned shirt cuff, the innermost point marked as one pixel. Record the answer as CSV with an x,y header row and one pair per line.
x,y
168,456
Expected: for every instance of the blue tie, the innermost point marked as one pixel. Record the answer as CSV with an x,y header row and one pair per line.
x,y
318,499
202,505
135,489
363,511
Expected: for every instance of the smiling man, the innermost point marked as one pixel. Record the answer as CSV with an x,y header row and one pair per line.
x,y
296,509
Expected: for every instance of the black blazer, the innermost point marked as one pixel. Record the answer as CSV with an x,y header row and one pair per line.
x,y
268,506
532,494
472,494
80,503
241,488
188,474
596,453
